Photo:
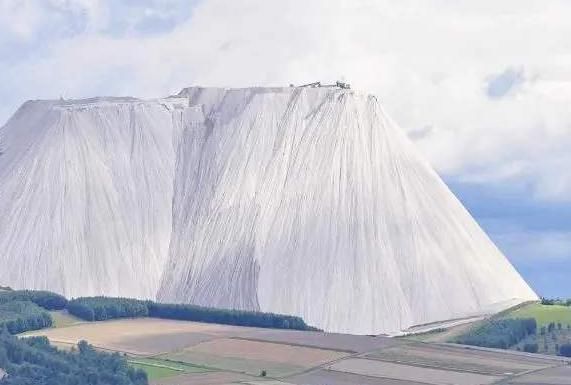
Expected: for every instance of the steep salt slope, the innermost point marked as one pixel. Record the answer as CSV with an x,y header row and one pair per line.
x,y
312,202
86,193
301,201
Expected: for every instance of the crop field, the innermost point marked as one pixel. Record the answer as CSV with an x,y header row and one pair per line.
x,y
212,378
256,350
143,336
381,369
455,358
188,353
237,364
159,368
252,357
156,372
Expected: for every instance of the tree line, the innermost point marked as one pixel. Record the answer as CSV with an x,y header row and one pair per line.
x,y
501,333
24,310
105,308
45,299
555,301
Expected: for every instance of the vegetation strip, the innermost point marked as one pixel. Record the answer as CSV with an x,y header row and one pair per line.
x,y
156,365
293,344
106,308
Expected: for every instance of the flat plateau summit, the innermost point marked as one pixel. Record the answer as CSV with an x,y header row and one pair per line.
x,y
303,201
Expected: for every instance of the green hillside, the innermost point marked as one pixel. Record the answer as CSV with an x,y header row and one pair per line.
x,y
543,314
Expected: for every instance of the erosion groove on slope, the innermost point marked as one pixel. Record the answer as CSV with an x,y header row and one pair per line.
x,y
308,202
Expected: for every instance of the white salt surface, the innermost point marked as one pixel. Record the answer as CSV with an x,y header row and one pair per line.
x,y
308,202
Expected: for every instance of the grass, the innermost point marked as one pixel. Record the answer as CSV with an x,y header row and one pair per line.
x,y
156,372
159,368
543,314
63,319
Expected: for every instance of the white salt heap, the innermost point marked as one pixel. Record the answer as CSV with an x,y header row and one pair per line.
x,y
304,201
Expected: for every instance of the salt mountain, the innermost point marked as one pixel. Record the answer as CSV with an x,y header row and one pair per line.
x,y
301,201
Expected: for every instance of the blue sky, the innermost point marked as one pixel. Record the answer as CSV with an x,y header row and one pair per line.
x,y
482,87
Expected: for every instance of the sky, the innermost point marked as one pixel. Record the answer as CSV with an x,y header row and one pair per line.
x,y
482,87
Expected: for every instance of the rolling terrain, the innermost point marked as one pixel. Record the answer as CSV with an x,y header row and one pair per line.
x,y
188,353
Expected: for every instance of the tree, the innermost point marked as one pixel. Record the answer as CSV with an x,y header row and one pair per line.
x,y
565,350
530,348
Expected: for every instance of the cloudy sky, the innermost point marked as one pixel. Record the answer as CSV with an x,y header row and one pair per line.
x,y
483,87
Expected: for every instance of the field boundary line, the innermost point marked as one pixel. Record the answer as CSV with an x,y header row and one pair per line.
x,y
432,366
156,365
293,344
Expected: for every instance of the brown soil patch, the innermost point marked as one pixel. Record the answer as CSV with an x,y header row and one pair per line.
x,y
266,351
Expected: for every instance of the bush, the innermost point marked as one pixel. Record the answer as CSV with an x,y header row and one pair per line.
x,y
530,348
105,308
565,350
45,299
501,333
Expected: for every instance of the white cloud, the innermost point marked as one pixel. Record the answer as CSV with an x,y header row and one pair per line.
x,y
431,63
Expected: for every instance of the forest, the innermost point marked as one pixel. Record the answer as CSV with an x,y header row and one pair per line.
x,y
105,308
30,361
501,333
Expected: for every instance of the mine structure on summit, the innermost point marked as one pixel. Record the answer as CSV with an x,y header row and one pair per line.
x,y
341,85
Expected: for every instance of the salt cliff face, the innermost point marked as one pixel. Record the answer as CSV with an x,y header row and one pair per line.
x,y
308,202
85,196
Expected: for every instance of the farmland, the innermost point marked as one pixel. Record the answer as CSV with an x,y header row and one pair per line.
x,y
188,353
157,368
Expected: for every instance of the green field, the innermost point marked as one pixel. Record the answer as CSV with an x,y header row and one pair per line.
x,y
156,372
543,314
158,368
